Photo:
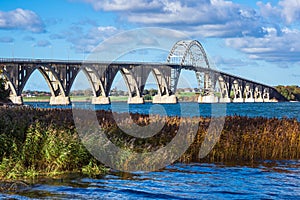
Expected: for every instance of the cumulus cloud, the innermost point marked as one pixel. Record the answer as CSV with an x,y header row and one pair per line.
x,y
259,33
290,10
21,19
286,10
205,18
274,47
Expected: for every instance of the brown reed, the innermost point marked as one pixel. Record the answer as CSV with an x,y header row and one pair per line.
x,y
41,141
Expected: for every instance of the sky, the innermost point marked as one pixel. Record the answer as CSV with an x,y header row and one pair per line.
x,y
257,40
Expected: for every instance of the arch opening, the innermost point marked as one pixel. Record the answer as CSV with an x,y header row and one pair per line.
x,y
82,88
119,89
187,88
37,87
152,87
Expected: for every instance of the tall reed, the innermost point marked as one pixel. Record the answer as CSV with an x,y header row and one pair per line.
x,y
45,141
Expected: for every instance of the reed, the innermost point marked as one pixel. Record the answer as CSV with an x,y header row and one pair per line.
x,y
45,142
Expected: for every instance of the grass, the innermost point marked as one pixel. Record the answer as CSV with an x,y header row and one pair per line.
x,y
182,96
36,142
36,99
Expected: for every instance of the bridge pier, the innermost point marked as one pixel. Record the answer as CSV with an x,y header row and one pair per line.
x,y
135,100
259,100
101,100
238,100
164,99
208,99
59,100
16,100
225,100
249,100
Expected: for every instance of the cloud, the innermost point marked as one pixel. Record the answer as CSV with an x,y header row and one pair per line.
x,y
296,75
268,33
286,10
232,62
123,5
290,10
283,46
7,39
28,38
43,43
21,19
204,18
56,36
87,40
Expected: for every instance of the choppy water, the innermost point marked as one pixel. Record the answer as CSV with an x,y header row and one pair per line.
x,y
268,180
279,110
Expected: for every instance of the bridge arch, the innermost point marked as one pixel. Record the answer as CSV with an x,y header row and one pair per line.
x,y
224,93
130,82
160,81
236,90
51,77
9,83
134,94
188,52
94,81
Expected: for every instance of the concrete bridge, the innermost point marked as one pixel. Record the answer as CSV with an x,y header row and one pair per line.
x,y
214,86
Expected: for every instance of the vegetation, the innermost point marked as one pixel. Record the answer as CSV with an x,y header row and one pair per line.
x,y
41,142
44,141
292,93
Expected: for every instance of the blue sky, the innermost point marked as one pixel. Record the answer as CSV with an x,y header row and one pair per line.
x,y
258,40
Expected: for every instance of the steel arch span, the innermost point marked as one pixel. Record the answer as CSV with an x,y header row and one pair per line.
x,y
188,53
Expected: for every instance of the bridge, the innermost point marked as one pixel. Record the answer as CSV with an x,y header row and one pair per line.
x,y
214,86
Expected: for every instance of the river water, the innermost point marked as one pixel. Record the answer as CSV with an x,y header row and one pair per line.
x,y
264,180
268,180
190,109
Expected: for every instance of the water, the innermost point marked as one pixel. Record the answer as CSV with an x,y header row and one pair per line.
x,y
268,180
278,110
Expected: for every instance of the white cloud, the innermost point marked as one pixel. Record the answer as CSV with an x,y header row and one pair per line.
x,y
123,5
287,10
21,19
273,47
257,33
290,10
207,18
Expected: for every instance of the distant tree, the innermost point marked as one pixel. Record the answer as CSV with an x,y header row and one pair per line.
x,y
153,92
291,93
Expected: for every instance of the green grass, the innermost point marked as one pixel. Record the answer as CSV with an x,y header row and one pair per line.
x,y
89,98
118,98
37,98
